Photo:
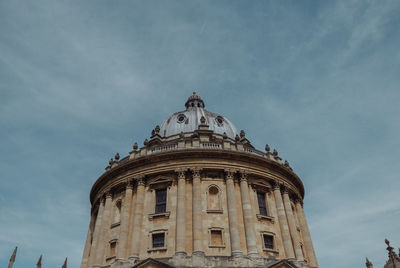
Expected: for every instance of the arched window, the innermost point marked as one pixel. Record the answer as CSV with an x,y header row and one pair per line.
x,y
214,199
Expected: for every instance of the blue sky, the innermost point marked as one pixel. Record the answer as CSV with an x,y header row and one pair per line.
x,y
82,80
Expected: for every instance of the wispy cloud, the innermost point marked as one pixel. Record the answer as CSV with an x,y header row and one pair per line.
x,y
318,81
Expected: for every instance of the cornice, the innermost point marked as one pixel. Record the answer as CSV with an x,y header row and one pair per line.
x,y
258,165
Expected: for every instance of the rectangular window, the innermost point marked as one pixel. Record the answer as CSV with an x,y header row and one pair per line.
x,y
161,201
261,204
158,240
268,241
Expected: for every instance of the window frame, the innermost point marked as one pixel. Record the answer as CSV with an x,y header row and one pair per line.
x,y
219,196
160,183
109,256
219,229
157,232
274,248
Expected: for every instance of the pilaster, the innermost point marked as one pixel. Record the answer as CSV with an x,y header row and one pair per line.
x,y
248,216
232,214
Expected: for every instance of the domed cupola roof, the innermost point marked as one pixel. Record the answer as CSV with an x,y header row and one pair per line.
x,y
190,119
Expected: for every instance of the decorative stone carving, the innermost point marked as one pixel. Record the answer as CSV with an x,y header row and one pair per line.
x,y
135,146
267,148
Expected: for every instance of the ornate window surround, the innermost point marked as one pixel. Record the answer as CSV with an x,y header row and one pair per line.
x,y
265,189
220,208
158,183
109,257
274,249
150,236
210,245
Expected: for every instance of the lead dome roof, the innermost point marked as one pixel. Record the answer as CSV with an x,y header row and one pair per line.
x,y
189,120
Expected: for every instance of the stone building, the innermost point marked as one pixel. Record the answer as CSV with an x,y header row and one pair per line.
x,y
198,194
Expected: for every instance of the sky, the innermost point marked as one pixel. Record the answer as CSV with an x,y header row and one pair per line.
x,y
82,80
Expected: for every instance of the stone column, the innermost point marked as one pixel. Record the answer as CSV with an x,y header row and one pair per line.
x,y
312,259
96,233
105,229
137,221
181,215
248,217
232,215
124,228
287,241
86,251
292,225
197,221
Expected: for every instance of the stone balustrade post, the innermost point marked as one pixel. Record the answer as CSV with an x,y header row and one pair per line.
x,y
180,214
292,225
248,217
232,214
197,219
287,241
125,219
137,221
312,259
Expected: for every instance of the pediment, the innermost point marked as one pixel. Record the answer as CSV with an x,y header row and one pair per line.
x,y
281,264
160,182
151,263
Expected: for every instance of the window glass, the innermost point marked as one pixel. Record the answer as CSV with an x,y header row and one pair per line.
x,y
261,204
268,241
158,240
161,200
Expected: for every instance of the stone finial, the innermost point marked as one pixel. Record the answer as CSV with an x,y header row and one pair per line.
x,y
286,164
267,148
242,134
135,146
203,120
146,142
111,161
12,259
153,132
237,138
39,263
116,156
65,263
368,264
275,152
387,242
225,136
181,135
157,129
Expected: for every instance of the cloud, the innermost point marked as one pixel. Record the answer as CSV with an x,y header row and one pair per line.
x,y
80,82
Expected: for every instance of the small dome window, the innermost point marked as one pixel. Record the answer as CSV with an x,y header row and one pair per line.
x,y
181,118
219,120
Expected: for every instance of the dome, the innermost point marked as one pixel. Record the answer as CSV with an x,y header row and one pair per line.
x,y
189,120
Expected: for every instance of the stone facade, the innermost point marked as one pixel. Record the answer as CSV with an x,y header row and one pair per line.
x,y
200,198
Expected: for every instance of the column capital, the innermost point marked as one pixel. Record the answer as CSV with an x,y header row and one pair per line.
x,y
108,194
230,173
297,199
129,184
276,185
243,175
181,172
196,171
285,188
140,180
